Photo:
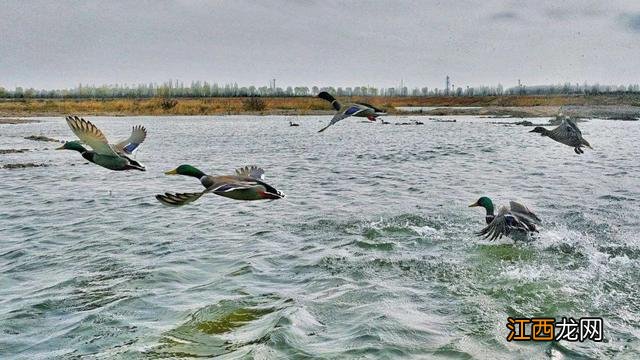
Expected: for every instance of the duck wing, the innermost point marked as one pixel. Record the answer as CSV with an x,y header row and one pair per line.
x,y
90,135
502,225
350,111
572,124
567,133
251,171
129,145
179,199
522,211
232,186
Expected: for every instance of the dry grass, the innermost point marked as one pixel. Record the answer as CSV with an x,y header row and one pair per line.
x,y
294,105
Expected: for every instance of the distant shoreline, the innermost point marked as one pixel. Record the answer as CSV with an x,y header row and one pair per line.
x,y
618,106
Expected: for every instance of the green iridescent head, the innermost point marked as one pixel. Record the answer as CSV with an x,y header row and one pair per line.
x,y
485,202
186,170
72,145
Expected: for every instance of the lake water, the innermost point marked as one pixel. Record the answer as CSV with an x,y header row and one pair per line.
x,y
371,254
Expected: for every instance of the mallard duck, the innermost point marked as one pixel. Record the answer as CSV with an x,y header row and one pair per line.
x,y
516,217
247,184
353,109
566,133
113,157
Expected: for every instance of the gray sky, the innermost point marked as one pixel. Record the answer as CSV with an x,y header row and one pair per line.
x,y
61,43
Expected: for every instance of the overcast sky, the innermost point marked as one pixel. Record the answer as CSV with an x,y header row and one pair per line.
x,y
53,44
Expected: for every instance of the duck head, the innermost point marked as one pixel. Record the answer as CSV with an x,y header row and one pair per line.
x,y
72,145
186,170
485,202
326,96
539,129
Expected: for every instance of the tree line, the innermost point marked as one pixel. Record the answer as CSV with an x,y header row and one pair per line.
x,y
177,89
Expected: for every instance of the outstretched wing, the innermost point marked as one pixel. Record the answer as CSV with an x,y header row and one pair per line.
x,y
502,225
571,124
251,171
497,228
521,210
566,130
351,111
179,199
90,135
128,146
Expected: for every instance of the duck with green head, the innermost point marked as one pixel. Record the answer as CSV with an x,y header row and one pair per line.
x,y
515,218
246,184
113,157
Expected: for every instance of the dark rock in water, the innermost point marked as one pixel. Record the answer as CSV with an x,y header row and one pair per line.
x,y
624,117
524,123
42,138
22,166
17,121
12,151
521,123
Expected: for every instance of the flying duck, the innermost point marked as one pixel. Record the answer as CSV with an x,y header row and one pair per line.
x,y
353,109
113,157
566,133
246,184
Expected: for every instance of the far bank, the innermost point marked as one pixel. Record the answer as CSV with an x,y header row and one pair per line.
x,y
623,106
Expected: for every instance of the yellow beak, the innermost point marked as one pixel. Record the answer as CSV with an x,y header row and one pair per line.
x,y
171,172
60,148
474,204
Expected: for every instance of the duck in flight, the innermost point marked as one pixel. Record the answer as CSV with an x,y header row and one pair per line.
x,y
352,109
246,184
516,218
110,156
566,133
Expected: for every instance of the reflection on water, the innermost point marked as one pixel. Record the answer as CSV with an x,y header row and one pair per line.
x,y
372,253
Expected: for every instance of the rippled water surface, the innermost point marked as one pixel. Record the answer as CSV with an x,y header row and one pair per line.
x,y
371,254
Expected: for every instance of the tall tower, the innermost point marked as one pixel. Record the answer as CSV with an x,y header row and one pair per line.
x,y
447,85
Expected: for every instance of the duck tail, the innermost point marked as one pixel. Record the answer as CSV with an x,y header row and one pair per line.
x,y
271,192
133,164
326,96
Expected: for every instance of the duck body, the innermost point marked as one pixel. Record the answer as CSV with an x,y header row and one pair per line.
x,y
352,109
246,185
112,157
566,133
240,187
516,219
117,163
120,163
